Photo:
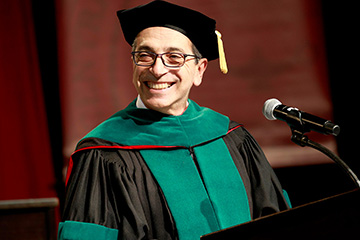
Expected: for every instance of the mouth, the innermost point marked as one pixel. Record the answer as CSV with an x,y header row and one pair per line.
x,y
159,85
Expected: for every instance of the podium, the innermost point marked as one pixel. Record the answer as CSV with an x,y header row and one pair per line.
x,y
336,217
28,219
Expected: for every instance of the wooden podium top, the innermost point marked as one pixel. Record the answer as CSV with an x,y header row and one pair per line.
x,y
29,203
28,219
336,217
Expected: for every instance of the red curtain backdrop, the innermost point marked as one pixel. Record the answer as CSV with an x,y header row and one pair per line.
x,y
274,49
26,169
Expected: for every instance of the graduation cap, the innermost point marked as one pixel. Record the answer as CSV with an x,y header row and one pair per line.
x,y
199,28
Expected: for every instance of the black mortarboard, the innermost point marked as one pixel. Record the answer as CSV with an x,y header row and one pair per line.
x,y
199,28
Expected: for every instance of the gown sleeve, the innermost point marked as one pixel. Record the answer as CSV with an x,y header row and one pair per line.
x,y
263,187
113,191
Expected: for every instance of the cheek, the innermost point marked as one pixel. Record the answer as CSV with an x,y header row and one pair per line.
x,y
136,76
188,75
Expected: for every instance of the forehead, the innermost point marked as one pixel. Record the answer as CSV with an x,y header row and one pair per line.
x,y
162,39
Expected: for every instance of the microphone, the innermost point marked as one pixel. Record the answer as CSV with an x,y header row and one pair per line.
x,y
273,109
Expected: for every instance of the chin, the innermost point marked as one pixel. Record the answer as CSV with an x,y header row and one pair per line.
x,y
157,105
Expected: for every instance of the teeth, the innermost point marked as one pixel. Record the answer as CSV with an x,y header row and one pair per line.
x,y
158,86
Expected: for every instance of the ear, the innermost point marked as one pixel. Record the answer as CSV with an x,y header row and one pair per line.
x,y
201,67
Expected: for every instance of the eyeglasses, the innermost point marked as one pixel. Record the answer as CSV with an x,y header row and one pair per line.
x,y
169,59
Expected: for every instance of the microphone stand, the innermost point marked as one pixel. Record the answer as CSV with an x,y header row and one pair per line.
x,y
300,139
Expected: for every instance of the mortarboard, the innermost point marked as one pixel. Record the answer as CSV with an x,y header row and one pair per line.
x,y
199,28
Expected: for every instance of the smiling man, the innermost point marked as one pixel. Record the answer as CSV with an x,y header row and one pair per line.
x,y
164,85
164,167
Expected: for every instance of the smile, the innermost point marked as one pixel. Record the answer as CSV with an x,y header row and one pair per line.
x,y
159,85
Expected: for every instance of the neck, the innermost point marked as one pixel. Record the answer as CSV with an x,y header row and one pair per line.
x,y
168,111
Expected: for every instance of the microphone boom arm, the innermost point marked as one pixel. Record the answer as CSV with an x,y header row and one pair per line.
x,y
299,138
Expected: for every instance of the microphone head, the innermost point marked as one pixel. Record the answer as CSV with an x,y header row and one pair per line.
x,y
268,108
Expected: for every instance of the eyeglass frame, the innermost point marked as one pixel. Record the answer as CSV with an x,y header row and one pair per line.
x,y
161,57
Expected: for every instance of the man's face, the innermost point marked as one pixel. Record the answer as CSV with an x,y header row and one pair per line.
x,y
162,88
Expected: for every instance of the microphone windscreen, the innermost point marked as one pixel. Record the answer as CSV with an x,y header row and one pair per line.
x,y
268,108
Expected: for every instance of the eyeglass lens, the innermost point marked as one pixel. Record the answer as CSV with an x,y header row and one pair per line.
x,y
169,59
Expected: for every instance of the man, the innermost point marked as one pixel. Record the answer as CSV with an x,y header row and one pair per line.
x,y
164,167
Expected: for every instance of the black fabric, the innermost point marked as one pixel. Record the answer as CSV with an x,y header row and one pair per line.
x,y
263,187
114,188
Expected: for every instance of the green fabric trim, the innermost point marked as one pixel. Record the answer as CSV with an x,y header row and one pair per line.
x,y
221,203
69,230
224,184
134,127
287,198
192,212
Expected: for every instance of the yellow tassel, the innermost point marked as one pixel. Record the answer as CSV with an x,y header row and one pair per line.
x,y
222,59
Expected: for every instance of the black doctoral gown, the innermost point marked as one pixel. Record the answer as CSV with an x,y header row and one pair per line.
x,y
112,193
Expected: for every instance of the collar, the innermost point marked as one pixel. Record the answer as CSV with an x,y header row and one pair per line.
x,y
133,126
140,104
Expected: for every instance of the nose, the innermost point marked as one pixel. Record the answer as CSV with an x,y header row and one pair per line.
x,y
158,68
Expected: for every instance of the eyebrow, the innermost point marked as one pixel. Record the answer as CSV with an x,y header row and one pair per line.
x,y
169,49
145,48
175,49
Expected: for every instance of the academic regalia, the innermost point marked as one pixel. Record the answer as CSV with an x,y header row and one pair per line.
x,y
113,191
143,174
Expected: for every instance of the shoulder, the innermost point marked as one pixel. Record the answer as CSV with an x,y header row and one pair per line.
x,y
96,151
94,143
94,155
237,134
243,146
